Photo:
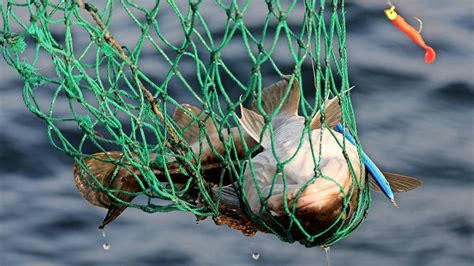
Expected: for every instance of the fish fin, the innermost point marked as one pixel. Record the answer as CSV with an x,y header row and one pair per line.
x,y
190,125
229,197
112,214
333,114
273,95
373,184
213,146
253,124
398,183
102,167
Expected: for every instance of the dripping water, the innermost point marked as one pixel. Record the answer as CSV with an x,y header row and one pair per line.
x,y
328,252
255,256
105,245
253,247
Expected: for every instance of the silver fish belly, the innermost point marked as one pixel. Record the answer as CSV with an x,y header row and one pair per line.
x,y
332,184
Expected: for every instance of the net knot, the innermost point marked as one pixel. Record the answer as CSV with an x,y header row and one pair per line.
x,y
215,55
29,74
14,41
269,6
150,18
194,6
237,15
255,69
85,123
279,168
301,44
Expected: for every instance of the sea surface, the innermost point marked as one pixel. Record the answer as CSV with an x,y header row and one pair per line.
x,y
412,118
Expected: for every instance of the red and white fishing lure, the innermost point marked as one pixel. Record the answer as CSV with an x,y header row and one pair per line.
x,y
414,34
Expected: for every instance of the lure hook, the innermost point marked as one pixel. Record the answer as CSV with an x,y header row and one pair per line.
x,y
421,24
390,3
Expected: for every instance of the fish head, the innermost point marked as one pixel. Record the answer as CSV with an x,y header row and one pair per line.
x,y
317,207
331,198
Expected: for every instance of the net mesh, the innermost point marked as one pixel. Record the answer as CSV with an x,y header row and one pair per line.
x,y
102,85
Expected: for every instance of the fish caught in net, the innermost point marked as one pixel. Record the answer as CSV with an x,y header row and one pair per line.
x,y
163,114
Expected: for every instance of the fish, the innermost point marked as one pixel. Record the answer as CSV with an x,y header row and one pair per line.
x,y
314,197
291,187
97,173
317,200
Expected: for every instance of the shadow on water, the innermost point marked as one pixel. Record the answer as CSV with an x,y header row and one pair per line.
x,y
457,94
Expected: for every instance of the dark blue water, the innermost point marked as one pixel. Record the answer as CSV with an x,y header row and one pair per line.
x,y
413,118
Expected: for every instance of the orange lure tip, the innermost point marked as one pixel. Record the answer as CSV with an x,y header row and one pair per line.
x,y
430,55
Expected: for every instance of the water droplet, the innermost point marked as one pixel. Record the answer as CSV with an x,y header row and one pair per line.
x,y
255,255
106,246
328,252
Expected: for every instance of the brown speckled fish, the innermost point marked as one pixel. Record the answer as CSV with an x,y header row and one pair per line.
x,y
317,206
104,166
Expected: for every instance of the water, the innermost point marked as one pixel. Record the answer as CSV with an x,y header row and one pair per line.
x,y
413,118
255,256
106,246
328,255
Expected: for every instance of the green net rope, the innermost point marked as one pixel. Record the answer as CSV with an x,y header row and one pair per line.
x,y
99,88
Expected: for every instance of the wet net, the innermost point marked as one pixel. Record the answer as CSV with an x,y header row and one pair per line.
x,y
107,77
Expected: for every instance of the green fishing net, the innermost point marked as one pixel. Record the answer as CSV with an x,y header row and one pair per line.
x,y
108,75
